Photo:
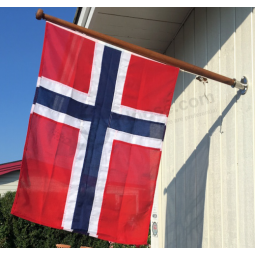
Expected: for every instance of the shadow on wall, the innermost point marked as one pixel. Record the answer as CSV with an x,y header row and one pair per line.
x,y
210,53
9,178
184,210
173,235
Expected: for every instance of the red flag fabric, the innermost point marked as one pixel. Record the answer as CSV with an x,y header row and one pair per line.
x,y
94,139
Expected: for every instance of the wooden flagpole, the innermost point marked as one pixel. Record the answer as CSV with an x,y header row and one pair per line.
x,y
145,52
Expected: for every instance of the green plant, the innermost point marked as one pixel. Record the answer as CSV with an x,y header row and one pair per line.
x,y
148,245
18,233
6,220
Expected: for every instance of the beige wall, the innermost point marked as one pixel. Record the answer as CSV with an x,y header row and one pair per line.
x,y
9,182
206,182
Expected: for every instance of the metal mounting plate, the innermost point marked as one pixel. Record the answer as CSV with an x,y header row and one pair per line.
x,y
244,81
241,85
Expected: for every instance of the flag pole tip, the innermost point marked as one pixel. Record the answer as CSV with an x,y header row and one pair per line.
x,y
39,15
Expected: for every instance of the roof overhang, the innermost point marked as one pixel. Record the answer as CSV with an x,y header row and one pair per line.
x,y
150,27
10,167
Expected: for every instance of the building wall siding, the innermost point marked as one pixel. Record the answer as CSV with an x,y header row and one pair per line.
x,y
9,182
205,189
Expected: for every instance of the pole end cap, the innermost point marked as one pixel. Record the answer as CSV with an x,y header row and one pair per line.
x,y
39,15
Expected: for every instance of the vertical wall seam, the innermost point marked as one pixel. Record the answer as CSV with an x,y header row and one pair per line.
x,y
184,142
175,168
222,223
176,240
252,64
175,162
236,139
206,90
194,123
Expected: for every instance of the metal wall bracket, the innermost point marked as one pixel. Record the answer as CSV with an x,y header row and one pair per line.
x,y
202,79
242,85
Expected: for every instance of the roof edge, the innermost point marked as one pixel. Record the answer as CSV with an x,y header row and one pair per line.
x,y
10,167
77,15
11,162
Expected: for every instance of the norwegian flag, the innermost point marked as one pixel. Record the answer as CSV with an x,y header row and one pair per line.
x,y
94,138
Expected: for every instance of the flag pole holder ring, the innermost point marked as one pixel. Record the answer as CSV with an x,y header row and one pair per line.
x,y
241,85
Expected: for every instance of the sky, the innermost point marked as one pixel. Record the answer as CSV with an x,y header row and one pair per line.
x,y
21,41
